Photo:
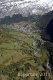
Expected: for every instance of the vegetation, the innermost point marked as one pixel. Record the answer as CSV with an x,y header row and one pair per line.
x,y
22,53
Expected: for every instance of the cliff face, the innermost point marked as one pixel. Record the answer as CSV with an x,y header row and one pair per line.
x,y
48,37
49,30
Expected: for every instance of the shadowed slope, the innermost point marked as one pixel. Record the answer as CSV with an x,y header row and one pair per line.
x,y
49,30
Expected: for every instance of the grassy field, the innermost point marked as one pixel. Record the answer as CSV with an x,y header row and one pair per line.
x,y
21,53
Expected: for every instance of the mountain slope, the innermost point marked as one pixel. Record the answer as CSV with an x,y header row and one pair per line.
x,y
22,52
44,20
